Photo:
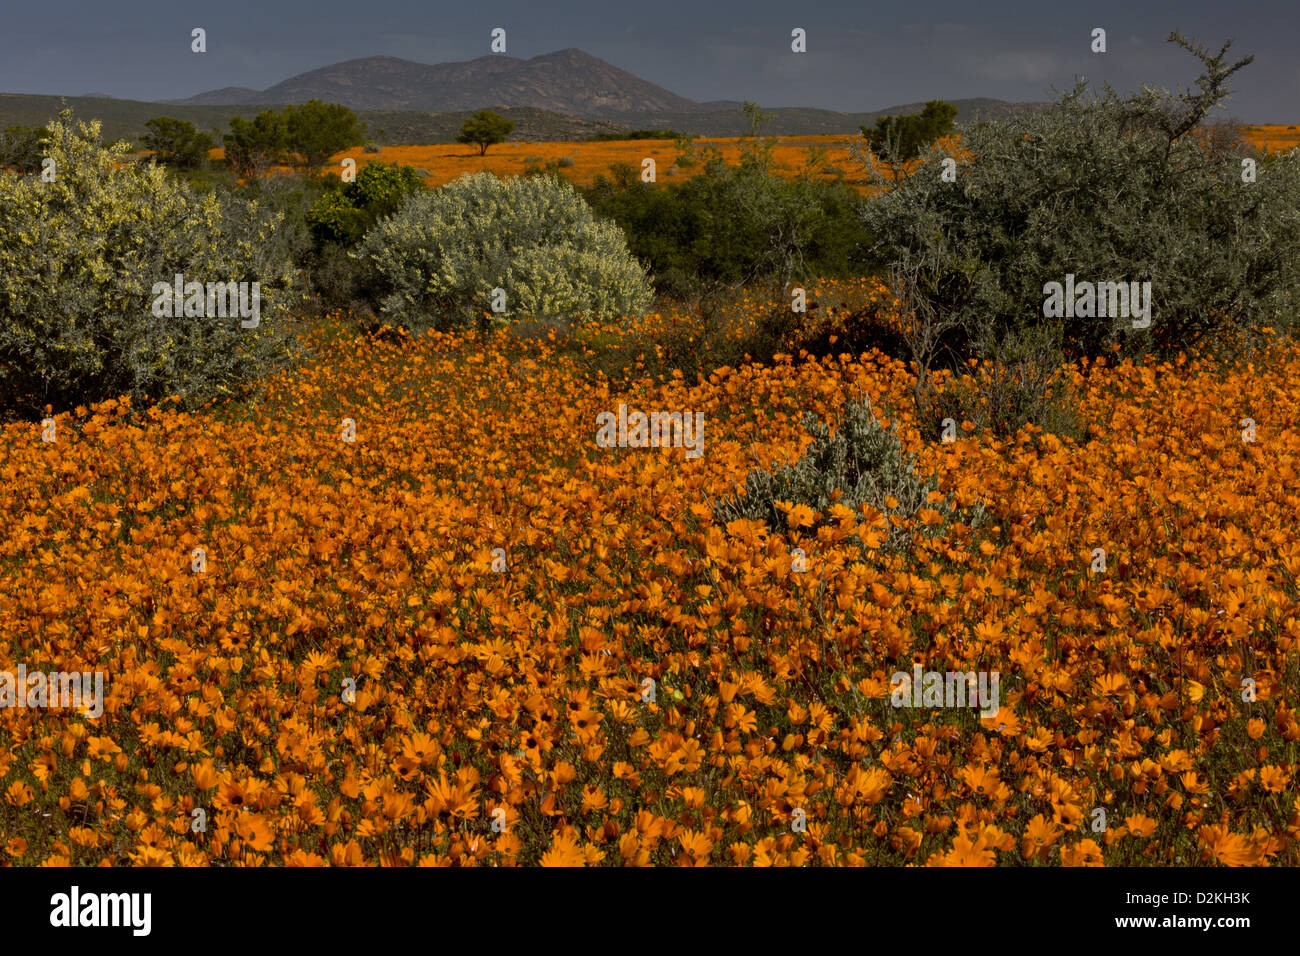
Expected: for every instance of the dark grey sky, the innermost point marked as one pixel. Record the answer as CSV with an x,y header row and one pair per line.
x,y
861,56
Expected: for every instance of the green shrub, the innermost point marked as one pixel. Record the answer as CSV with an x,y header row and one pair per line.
x,y
732,225
633,134
349,210
440,257
77,269
315,131
253,147
20,147
903,137
176,142
860,463
1108,190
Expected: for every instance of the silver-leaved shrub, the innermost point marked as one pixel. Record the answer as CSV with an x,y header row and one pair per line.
x,y
860,462
441,257
80,254
1103,188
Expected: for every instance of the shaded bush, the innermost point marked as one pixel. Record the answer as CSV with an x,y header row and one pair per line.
x,y
176,142
905,136
314,131
634,134
1021,382
21,147
254,146
731,225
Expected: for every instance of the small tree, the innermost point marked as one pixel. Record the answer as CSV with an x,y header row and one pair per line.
x,y
485,128
176,142
900,138
252,148
315,131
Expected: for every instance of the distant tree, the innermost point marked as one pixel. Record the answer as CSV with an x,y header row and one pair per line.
x,y
253,147
315,131
176,142
20,147
484,129
903,137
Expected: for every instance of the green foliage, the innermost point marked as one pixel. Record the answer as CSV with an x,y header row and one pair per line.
x,y
315,131
730,225
901,138
20,147
348,211
860,463
484,129
1106,189
176,142
253,147
536,166
444,252
79,264
633,134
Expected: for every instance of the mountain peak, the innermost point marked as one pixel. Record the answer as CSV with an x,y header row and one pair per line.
x,y
568,81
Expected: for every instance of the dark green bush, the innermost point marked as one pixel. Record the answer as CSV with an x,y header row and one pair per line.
x,y
905,136
732,225
633,134
315,131
176,142
21,148
253,147
347,211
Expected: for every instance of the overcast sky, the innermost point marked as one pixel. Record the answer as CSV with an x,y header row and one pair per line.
x,y
861,55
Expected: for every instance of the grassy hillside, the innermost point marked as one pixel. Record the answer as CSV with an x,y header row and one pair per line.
x,y
125,119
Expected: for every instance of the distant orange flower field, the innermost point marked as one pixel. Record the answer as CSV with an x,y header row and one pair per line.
x,y
792,156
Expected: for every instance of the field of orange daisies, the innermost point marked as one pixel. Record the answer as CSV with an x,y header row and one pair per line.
x,y
430,645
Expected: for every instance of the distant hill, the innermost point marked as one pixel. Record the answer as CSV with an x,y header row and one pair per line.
x,y
568,81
